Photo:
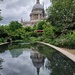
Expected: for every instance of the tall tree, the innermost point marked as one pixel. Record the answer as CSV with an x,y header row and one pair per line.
x,y
14,25
48,31
61,13
3,32
40,25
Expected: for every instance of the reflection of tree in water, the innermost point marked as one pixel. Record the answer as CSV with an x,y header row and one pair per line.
x,y
37,60
15,49
19,46
1,60
45,50
16,52
58,64
3,48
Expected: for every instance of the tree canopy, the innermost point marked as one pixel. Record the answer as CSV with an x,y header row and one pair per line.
x,y
62,13
14,25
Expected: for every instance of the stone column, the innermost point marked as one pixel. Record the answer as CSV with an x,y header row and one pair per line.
x,y
39,16
32,17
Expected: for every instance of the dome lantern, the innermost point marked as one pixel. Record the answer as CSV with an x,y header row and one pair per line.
x,y
37,1
37,5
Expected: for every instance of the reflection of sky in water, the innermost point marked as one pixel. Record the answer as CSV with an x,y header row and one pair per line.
x,y
22,65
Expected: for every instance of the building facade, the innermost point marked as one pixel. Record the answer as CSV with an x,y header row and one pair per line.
x,y
36,14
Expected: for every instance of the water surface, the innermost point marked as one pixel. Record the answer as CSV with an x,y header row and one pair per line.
x,y
37,59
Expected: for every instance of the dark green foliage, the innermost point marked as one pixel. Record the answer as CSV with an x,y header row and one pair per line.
x,y
18,34
62,14
67,41
48,31
3,32
34,34
34,27
2,40
27,28
14,25
40,25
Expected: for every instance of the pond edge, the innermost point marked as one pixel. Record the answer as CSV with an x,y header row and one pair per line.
x,y
3,43
68,54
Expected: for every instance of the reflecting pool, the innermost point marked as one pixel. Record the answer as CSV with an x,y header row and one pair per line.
x,y
36,59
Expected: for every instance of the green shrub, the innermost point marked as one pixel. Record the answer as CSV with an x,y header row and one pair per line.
x,y
67,41
34,34
2,40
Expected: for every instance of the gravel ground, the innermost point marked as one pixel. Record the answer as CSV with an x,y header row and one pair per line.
x,y
70,50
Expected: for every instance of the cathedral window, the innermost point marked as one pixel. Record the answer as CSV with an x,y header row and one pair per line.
x,y
36,16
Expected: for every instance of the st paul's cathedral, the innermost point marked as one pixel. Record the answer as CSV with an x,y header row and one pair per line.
x,y
36,15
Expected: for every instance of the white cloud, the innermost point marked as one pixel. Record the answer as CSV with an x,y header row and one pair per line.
x,y
17,9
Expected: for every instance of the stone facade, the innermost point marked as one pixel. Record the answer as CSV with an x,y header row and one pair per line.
x,y
36,15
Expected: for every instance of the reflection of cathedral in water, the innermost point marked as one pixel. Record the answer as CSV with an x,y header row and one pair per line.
x,y
37,60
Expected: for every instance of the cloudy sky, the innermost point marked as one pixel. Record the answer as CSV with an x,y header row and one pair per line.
x,y
16,9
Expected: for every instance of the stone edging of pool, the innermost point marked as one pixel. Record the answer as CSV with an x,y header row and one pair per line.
x,y
4,43
68,54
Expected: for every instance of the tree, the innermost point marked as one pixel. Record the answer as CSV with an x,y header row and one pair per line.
x,y
34,27
14,25
40,25
18,34
61,13
27,28
3,32
48,31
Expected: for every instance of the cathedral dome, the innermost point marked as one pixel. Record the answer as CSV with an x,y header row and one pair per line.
x,y
37,12
37,6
